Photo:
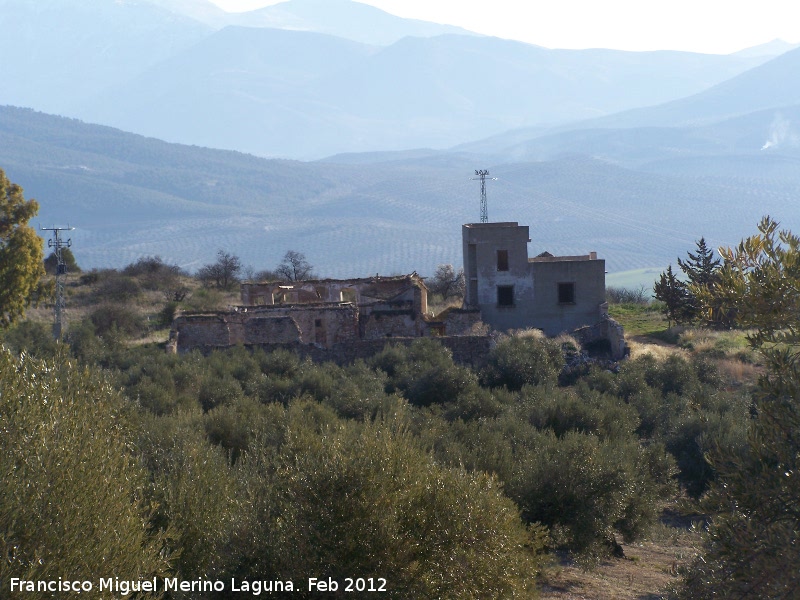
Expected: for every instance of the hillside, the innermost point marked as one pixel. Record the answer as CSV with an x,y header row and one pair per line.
x,y
342,18
771,85
326,95
297,79
759,135
58,53
130,196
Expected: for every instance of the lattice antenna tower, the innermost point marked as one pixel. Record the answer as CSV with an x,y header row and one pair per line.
x,y
482,174
58,245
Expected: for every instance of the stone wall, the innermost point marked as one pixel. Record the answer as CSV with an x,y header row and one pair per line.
x,y
607,331
471,351
221,330
391,324
363,292
459,321
324,324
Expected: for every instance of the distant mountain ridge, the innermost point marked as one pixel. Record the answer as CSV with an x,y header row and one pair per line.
x,y
754,111
418,92
153,68
342,18
770,85
774,48
130,196
637,186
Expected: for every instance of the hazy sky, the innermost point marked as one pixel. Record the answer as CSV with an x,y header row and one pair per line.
x,y
717,26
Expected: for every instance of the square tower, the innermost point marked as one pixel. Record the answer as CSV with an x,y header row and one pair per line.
x,y
498,279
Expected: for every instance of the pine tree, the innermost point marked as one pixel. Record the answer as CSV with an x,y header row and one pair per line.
x,y
701,269
675,295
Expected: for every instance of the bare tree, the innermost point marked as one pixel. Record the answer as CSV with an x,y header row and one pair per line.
x,y
447,282
223,273
295,267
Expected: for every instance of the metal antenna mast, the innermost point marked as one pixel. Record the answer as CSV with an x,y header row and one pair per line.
x,y
481,175
57,244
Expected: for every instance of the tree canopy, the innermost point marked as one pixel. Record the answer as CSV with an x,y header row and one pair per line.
x,y
692,300
295,267
447,282
753,545
223,273
21,256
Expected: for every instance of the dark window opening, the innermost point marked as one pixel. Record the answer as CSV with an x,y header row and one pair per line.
x,y
566,293
502,260
317,322
505,295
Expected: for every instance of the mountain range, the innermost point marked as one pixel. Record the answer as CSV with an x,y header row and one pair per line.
x,y
185,72
632,155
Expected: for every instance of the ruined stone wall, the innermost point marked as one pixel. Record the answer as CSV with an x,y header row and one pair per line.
x,y
220,330
201,331
470,351
608,331
367,291
324,324
460,321
260,329
391,324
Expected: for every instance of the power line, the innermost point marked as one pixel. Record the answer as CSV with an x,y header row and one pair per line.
x,y
481,175
57,244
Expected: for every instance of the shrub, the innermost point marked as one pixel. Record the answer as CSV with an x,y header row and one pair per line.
x,y
521,360
115,287
215,391
430,531
584,487
73,494
424,372
167,314
197,495
32,338
619,295
122,319
67,257
89,278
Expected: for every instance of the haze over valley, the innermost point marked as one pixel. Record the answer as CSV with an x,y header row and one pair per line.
x,y
356,144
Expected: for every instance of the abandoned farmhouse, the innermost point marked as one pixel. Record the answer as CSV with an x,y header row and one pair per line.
x,y
352,318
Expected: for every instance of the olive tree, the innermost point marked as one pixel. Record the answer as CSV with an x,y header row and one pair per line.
x,y
753,544
73,501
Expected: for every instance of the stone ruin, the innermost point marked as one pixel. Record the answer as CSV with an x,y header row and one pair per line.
x,y
339,318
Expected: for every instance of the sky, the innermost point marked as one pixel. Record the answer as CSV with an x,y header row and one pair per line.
x,y
711,26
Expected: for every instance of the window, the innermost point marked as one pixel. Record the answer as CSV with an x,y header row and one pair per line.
x,y
505,295
566,293
502,260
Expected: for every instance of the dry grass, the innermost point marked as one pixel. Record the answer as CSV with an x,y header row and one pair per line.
x,y
436,305
657,350
83,298
536,334
736,372
647,572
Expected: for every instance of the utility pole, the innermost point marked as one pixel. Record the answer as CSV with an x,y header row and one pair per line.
x,y
481,175
57,244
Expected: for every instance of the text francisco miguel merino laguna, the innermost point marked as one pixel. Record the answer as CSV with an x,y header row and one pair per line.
x,y
167,584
